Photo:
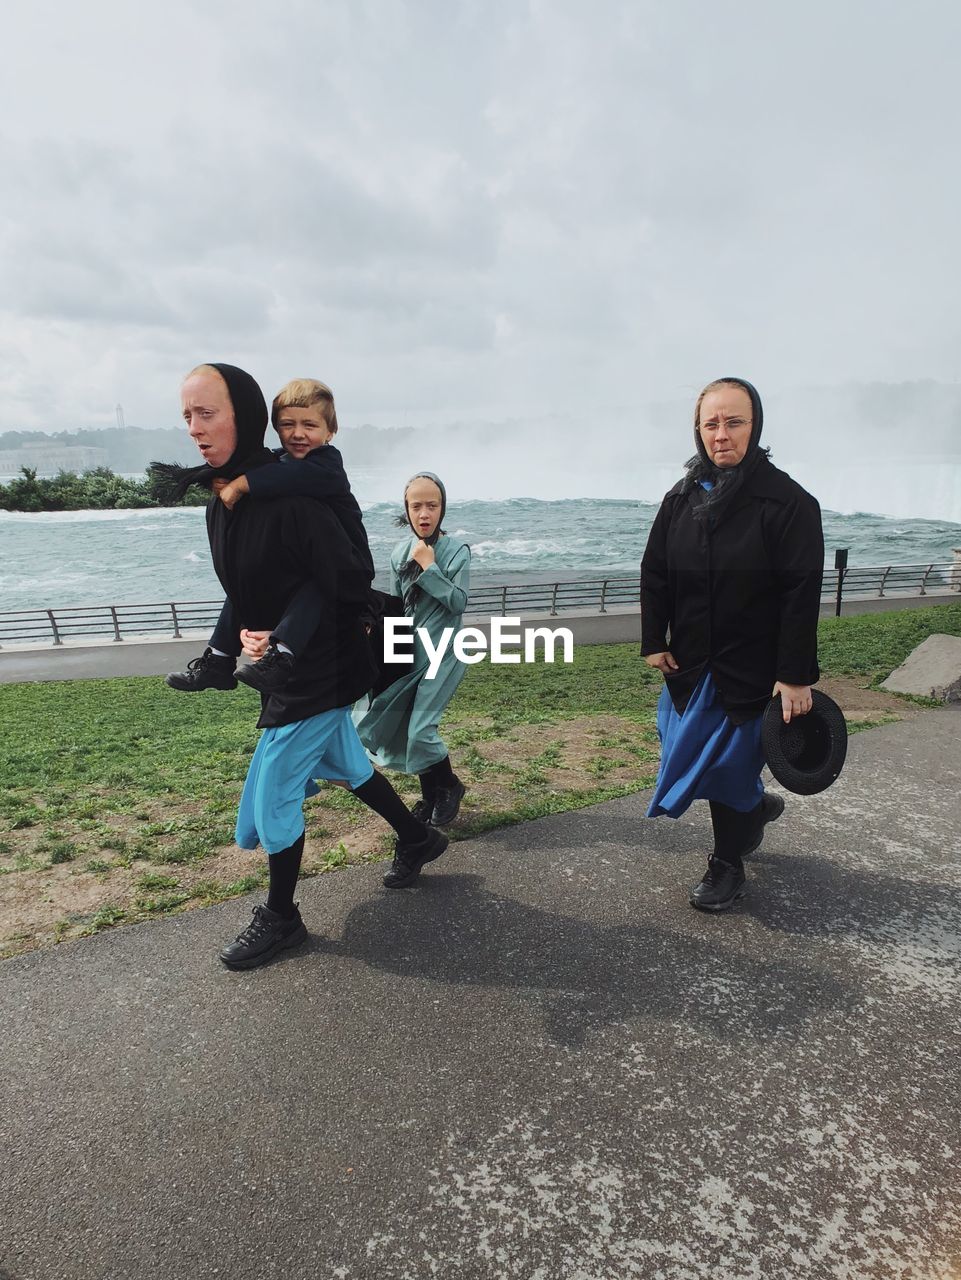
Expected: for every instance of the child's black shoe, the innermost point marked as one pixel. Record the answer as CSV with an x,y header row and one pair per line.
x,y
209,671
271,673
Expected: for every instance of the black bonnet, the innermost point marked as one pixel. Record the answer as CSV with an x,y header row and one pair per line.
x,y
250,410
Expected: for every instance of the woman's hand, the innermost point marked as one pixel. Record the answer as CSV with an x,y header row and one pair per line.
x,y
423,554
663,661
254,643
796,699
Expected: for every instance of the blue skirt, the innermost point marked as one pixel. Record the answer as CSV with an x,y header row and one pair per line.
x,y
704,756
282,773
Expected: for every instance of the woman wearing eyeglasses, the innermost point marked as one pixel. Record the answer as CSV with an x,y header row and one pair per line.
x,y
730,595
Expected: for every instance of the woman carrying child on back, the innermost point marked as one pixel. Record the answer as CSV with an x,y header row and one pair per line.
x,y
430,571
305,419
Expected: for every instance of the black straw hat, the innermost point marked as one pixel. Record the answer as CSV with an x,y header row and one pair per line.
x,y
807,754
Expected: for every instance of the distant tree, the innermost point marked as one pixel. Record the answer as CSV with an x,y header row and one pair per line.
x,y
96,490
24,493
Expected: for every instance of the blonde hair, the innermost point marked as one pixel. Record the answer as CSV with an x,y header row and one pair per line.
x,y
304,393
205,368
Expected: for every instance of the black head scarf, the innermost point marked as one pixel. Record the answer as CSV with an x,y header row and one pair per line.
x,y
410,570
250,414
725,481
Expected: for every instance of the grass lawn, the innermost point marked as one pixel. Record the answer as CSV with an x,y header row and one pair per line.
x,y
118,796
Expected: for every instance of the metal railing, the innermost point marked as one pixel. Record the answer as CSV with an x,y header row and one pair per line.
x,y
172,620
108,622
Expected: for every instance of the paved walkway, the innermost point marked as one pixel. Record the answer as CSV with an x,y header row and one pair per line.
x,y
540,1063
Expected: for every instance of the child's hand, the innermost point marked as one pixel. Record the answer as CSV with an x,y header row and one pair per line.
x,y
254,643
233,491
423,554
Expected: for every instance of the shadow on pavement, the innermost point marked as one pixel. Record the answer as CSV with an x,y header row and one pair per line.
x,y
452,930
811,896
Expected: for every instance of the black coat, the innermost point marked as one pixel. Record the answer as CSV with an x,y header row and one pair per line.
x,y
742,597
320,474
263,551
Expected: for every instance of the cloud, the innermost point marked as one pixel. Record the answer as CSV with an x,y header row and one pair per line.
x,y
473,210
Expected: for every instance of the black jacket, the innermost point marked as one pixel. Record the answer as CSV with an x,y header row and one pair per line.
x,y
262,553
742,597
320,474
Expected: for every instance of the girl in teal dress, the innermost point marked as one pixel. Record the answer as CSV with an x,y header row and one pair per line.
x,y
430,571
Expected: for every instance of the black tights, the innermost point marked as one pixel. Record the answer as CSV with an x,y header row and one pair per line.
x,y
377,794
438,775
284,869
734,832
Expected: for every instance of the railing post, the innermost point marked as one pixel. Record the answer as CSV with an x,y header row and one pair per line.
x,y
603,608
116,624
53,624
955,579
884,578
173,614
504,600
924,579
840,565
554,600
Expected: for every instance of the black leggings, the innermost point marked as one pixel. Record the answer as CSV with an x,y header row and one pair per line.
x,y
284,869
377,794
734,832
438,775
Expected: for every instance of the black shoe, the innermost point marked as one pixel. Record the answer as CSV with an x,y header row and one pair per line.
x,y
422,811
772,806
209,671
271,673
409,858
447,803
721,887
266,934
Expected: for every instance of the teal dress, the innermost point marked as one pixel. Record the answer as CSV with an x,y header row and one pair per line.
x,y
399,727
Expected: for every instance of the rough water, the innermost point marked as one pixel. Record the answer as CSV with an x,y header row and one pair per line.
x,y
146,556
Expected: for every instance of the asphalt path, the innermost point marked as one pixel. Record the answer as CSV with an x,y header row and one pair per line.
x,y
539,1063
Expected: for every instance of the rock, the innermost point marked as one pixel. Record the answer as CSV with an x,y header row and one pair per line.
x,y
933,670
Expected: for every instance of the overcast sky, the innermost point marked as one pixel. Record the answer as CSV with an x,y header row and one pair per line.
x,y
476,211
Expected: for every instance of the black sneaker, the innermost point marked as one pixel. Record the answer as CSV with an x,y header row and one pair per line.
x,y
447,803
271,673
721,887
266,934
409,858
209,671
422,811
772,806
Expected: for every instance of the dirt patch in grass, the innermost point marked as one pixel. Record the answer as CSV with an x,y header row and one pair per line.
x,y
568,755
864,706
57,901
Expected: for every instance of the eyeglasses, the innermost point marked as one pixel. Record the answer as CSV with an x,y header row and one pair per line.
x,y
732,424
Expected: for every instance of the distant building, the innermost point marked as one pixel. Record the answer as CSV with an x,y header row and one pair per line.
x,y
47,460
